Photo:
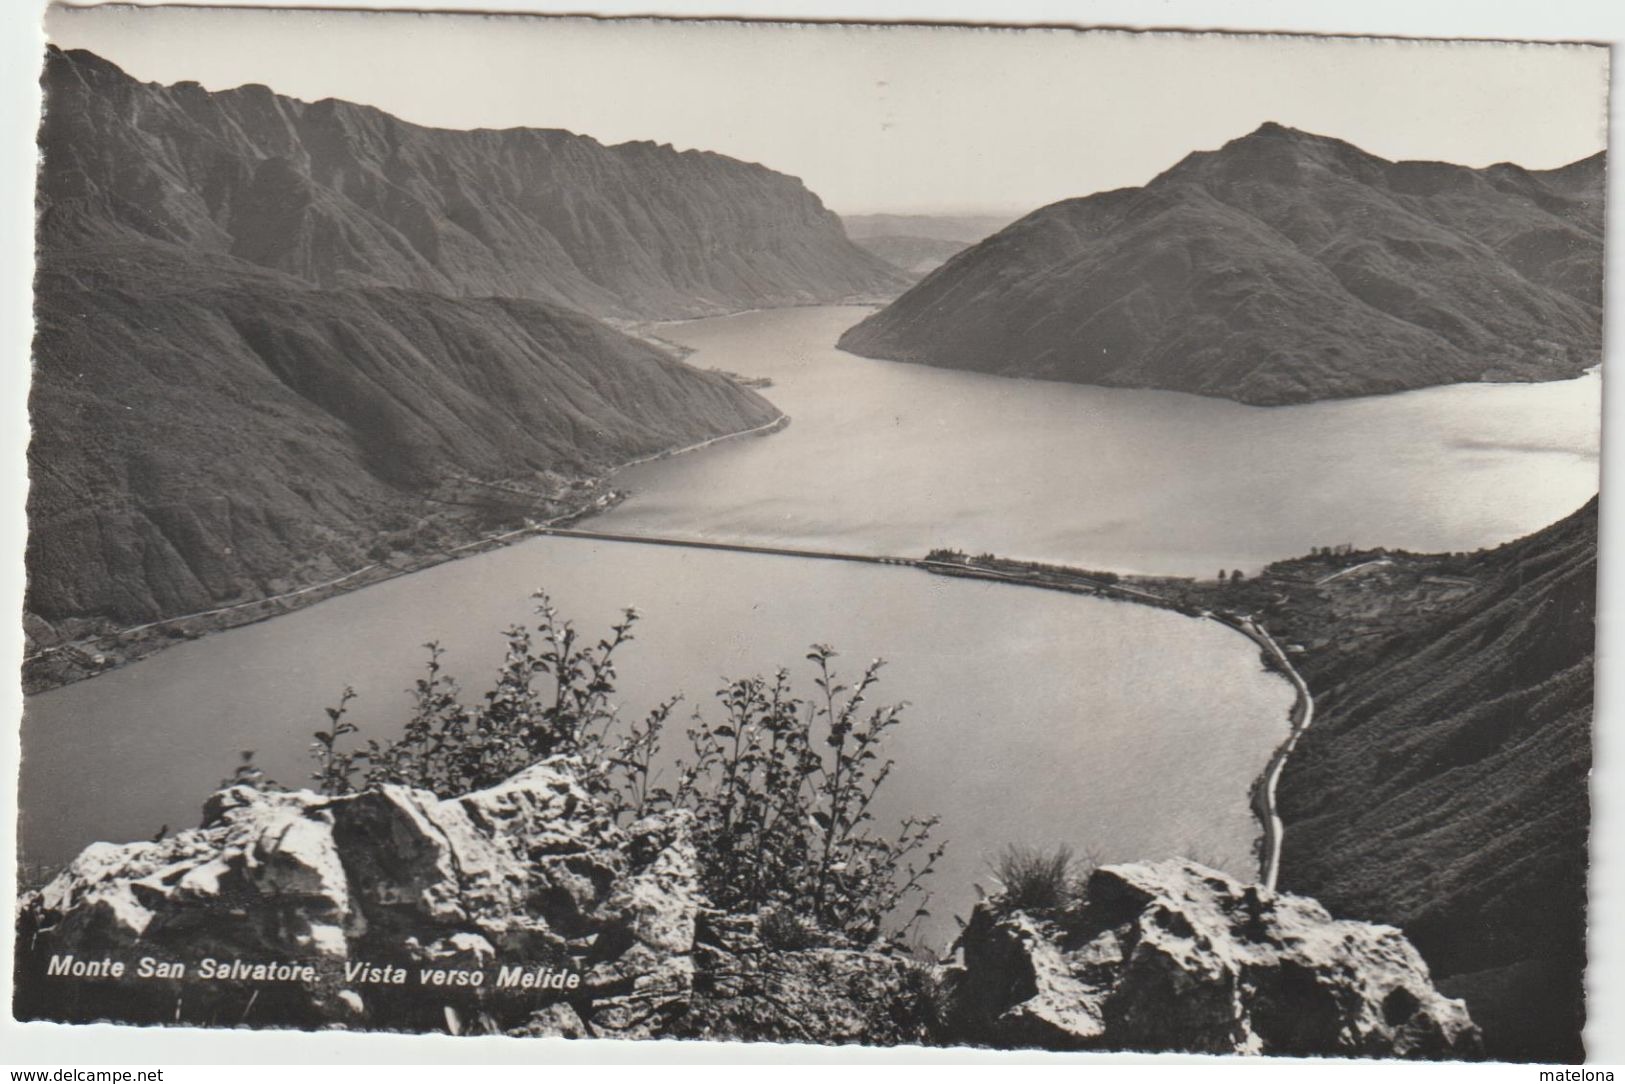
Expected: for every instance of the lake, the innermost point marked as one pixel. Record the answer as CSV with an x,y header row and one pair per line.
x,y
1035,717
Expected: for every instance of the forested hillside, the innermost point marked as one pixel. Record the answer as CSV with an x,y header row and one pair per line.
x,y
1443,787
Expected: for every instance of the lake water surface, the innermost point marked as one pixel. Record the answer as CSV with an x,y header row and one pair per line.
x,y
1036,717
883,457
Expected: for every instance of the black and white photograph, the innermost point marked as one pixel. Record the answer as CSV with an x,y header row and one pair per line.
x,y
858,534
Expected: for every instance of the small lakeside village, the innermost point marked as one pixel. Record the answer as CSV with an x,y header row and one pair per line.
x,y
1333,600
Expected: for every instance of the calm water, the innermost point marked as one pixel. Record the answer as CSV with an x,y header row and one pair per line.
x,y
1036,717
890,458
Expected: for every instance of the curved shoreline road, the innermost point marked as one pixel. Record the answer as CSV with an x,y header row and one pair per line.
x,y
1302,714
1299,718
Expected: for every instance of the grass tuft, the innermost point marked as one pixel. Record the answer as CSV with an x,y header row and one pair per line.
x,y
1035,879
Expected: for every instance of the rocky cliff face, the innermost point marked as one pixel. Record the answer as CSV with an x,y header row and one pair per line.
x,y
522,908
1284,267
344,195
527,909
1443,787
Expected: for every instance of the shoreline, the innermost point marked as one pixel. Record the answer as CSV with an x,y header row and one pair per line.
x,y
778,423
1045,577
1299,716
1071,581
89,655
1251,404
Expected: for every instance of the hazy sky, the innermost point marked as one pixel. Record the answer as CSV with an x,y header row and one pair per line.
x,y
889,118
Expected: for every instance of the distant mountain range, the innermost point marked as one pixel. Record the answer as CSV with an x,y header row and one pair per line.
x,y
912,255
967,229
271,331
1443,788
1282,268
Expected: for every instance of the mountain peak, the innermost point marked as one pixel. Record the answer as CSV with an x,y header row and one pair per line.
x,y
1273,133
1272,128
81,62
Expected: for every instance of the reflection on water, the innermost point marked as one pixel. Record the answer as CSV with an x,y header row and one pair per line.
x,y
885,457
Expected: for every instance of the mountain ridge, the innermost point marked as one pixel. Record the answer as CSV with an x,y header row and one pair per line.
x,y
338,193
277,341
1283,267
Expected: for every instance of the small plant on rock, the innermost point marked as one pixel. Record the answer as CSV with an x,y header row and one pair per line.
x,y
551,695
1037,880
784,789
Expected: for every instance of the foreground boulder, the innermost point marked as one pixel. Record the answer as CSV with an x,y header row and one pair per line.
x,y
523,906
1175,956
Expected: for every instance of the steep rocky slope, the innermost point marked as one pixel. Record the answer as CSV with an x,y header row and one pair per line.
x,y
340,194
204,430
1284,267
1443,787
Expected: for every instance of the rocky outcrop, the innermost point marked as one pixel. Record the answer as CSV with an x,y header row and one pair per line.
x,y
390,908
541,916
527,909
1175,956
1283,267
